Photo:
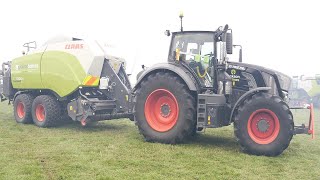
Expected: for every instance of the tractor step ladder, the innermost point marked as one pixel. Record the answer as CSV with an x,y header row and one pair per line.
x,y
303,129
201,112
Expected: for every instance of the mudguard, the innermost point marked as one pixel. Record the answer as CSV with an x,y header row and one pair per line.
x,y
181,72
245,96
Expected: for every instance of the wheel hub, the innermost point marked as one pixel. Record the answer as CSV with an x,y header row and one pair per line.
x,y
161,110
20,110
165,110
263,125
40,113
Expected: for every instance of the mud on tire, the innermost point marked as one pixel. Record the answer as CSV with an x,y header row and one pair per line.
x,y
263,125
46,111
164,109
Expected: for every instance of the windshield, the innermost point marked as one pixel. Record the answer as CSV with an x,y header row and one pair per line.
x,y
192,45
196,49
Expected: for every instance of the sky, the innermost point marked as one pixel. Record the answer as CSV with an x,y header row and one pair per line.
x,y
281,35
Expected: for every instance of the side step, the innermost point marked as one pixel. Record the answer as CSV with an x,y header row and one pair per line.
x,y
211,111
201,112
303,129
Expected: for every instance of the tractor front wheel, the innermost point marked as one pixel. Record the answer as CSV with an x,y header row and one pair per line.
x,y
264,125
164,109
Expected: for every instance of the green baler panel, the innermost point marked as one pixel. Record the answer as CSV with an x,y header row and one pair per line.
x,y
58,71
61,72
25,72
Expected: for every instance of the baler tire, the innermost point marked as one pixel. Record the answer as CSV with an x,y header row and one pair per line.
x,y
177,97
263,125
46,111
22,108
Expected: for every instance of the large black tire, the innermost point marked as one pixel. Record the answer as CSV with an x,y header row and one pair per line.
x,y
46,111
164,97
263,125
22,108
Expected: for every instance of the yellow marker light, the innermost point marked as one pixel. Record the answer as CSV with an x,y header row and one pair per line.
x,y
127,98
71,108
181,14
177,54
209,118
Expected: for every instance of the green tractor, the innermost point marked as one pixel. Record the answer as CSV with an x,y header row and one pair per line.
x,y
200,88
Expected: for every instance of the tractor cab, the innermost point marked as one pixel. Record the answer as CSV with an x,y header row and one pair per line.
x,y
204,53
196,50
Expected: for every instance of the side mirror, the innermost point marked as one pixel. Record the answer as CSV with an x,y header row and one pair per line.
x,y
229,43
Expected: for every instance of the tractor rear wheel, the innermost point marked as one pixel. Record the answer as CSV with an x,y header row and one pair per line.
x,y
164,109
46,111
22,108
264,125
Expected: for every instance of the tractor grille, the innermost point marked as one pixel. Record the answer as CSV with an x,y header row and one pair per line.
x,y
251,81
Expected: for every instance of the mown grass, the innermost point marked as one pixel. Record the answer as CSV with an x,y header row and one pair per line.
x,y
115,150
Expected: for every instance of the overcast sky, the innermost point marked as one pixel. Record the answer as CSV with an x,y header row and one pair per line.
x,y
282,35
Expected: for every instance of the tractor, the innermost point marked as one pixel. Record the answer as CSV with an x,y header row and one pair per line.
x,y
200,88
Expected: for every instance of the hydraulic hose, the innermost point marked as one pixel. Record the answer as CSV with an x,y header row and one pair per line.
x,y
201,75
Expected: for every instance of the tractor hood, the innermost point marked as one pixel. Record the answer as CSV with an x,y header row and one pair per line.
x,y
284,80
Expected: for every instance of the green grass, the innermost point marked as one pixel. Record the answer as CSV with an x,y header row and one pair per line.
x,y
115,150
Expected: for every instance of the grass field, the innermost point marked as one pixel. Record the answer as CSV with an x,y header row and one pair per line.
x,y
115,150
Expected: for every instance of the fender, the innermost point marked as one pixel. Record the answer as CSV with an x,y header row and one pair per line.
x,y
245,96
18,93
170,67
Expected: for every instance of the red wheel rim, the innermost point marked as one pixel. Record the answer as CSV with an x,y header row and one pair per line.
x,y
161,110
83,122
263,126
40,112
20,110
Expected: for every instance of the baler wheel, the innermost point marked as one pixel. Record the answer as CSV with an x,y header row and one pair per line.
x,y
46,111
22,108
